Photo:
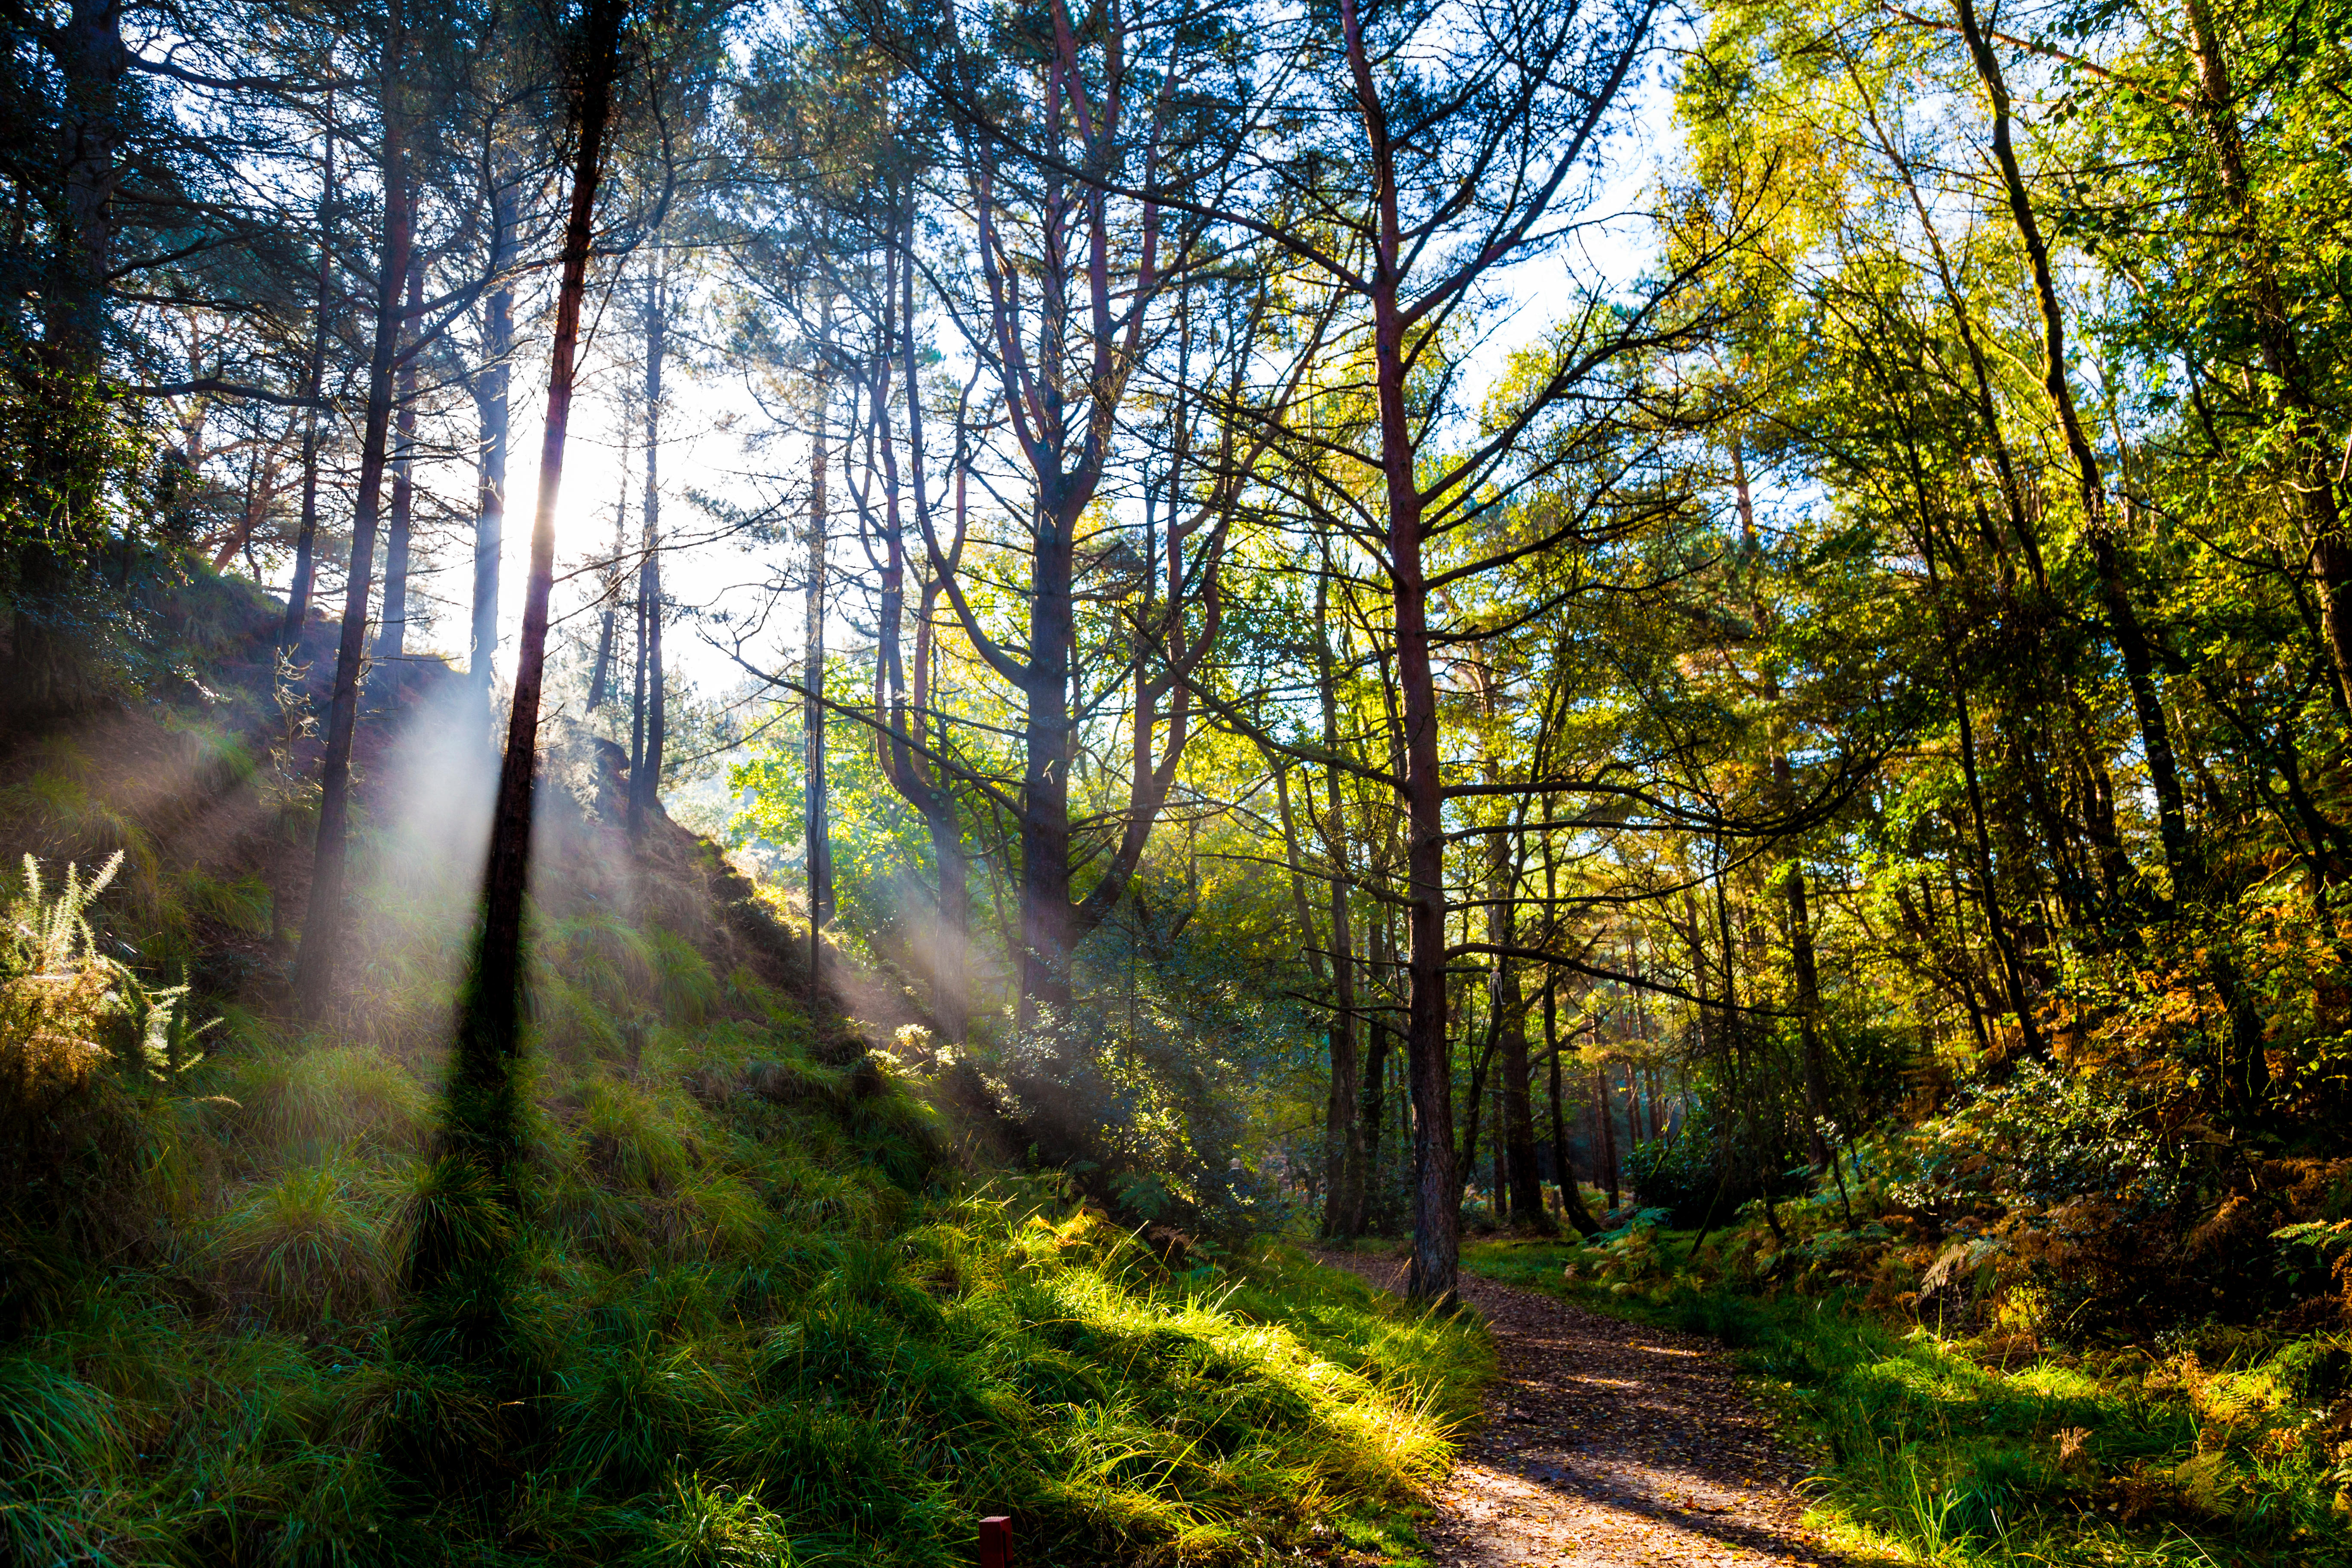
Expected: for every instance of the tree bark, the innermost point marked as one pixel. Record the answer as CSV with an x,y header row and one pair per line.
x,y
1350,1089
1342,1084
91,60
901,699
601,683
1571,1190
1373,1112
2123,618
314,377
492,410
392,624
1047,744
646,758
1437,1243
481,1120
1605,1099
322,927
813,826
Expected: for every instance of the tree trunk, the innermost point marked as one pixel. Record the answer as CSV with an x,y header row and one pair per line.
x,y
921,779
813,826
1502,1206
1349,1090
601,683
322,926
646,759
2123,618
639,603
1374,1110
314,381
492,406
1343,1085
1607,1092
1571,1192
1809,1016
481,1118
1436,1238
1518,1109
391,625
91,60
1047,744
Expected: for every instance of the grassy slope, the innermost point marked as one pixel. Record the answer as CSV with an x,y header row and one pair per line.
x,y
1950,1450
804,1325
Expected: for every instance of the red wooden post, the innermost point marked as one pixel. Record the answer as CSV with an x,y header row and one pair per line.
x,y
996,1542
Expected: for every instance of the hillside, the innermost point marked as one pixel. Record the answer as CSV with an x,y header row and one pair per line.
x,y
779,1297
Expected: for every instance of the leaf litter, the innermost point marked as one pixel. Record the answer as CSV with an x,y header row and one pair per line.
x,y
1608,1445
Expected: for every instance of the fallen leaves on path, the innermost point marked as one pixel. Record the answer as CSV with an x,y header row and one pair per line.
x,y
1607,1445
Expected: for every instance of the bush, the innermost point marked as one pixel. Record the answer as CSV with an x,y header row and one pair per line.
x,y
1681,1174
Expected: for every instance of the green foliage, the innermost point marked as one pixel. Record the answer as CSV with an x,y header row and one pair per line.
x,y
1683,1174
2043,1136
304,1094
747,1316
310,1244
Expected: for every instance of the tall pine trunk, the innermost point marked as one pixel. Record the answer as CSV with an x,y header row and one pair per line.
x,y
1571,1190
1046,736
815,826
608,619
314,381
1429,1060
391,625
322,926
492,410
481,1122
646,760
1348,1089
901,696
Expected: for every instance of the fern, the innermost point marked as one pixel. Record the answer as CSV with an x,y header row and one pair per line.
x,y
63,1000
52,935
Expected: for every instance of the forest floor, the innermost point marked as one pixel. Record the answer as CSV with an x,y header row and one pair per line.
x,y
1608,1444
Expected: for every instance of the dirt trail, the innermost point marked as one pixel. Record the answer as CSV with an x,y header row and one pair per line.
x,y
1608,1446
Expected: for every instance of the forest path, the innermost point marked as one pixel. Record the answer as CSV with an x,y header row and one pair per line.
x,y
1607,1445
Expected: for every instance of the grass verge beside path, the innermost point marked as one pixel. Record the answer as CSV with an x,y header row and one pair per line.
x,y
746,1334
2213,1451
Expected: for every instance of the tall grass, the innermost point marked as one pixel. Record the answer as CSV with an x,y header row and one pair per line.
x,y
739,1327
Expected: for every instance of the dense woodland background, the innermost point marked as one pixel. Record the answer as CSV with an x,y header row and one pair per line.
x,y
1359,619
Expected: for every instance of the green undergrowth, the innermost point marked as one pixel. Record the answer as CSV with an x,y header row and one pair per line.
x,y
766,1314
2216,1447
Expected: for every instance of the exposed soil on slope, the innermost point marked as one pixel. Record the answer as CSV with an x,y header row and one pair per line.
x,y
1608,1444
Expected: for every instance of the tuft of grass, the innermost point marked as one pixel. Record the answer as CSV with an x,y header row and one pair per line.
x,y
240,903
689,992
308,1243
703,1525
636,1140
304,1095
